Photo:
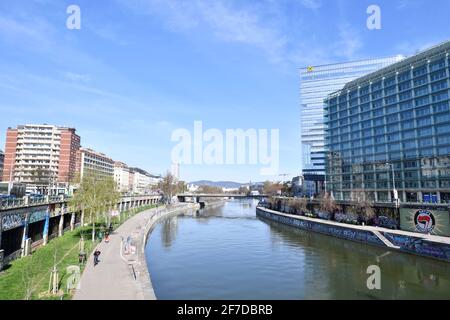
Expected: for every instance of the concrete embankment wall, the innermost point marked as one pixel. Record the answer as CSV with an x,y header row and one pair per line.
x,y
142,270
408,242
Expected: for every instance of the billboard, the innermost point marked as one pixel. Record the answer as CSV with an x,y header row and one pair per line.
x,y
436,222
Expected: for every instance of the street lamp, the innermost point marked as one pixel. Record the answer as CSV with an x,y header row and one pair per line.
x,y
394,191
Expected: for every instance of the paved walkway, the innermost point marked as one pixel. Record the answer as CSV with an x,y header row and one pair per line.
x,y
113,278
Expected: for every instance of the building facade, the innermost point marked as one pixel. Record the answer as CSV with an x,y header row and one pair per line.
x,y
122,176
315,85
90,162
142,181
388,133
41,156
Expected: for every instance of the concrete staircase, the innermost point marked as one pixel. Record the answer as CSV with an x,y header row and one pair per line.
x,y
385,240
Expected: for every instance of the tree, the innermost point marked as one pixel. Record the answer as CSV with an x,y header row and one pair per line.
x,y
299,204
362,206
210,189
95,196
272,188
327,204
168,185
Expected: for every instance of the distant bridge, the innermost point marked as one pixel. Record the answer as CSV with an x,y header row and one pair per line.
x,y
197,196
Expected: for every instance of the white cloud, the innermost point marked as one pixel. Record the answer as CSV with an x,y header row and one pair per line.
x,y
349,41
311,4
75,77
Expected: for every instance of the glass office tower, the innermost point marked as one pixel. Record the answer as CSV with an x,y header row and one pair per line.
x,y
390,130
315,85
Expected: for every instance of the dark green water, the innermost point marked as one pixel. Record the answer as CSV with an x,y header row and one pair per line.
x,y
228,253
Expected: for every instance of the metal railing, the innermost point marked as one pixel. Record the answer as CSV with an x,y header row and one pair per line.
x,y
7,204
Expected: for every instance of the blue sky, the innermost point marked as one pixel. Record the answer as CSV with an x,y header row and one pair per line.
x,y
139,69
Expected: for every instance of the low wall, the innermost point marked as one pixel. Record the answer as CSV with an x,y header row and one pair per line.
x,y
408,243
142,270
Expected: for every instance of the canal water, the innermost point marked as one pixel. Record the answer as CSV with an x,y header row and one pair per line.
x,y
226,252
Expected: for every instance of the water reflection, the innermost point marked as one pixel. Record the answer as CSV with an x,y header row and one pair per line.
x,y
340,264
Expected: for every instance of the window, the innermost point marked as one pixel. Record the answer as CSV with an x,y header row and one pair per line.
x,y
420,71
407,125
365,99
422,101
407,115
423,111
365,124
442,118
437,65
354,110
406,105
365,107
421,91
424,121
426,142
376,86
439,86
390,90
409,144
404,86
377,104
420,81
391,109
404,76
389,82
440,96
409,134
405,95
376,95
392,128
425,132
364,90
443,129
438,75
392,118
391,100
378,112
395,137
441,107
365,116
378,122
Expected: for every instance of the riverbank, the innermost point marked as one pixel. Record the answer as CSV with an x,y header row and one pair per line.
x,y
122,273
429,246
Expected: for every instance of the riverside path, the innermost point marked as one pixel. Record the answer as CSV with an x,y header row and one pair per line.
x,y
123,275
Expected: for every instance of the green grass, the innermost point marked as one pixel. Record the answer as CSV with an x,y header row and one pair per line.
x,y
29,277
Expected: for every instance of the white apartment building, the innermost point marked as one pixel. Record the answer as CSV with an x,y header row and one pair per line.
x,y
93,162
122,176
142,180
41,156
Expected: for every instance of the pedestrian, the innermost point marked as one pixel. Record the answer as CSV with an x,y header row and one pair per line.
x,y
96,255
107,237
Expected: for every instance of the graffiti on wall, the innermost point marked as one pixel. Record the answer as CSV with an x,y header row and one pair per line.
x,y
336,231
12,220
419,245
406,243
18,217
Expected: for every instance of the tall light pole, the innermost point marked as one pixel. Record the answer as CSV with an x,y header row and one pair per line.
x,y
394,191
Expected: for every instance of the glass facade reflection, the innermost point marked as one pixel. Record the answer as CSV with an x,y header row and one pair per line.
x,y
391,130
315,85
